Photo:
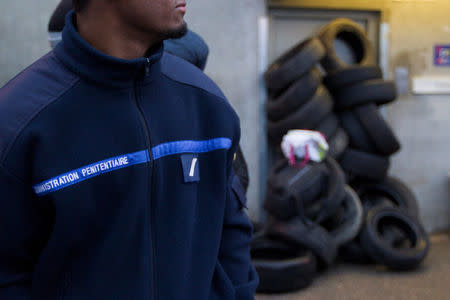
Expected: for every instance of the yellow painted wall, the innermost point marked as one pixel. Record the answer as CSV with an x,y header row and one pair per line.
x,y
415,27
334,4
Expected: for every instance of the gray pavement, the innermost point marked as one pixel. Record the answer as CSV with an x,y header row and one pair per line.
x,y
344,281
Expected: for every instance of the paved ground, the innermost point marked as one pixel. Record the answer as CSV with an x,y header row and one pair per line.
x,y
430,282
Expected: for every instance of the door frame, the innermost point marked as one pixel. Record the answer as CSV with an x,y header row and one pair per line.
x,y
372,18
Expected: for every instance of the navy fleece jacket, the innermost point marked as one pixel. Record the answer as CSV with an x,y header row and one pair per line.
x,y
115,180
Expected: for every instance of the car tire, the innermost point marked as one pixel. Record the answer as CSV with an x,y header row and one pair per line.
x,y
308,116
282,267
378,129
295,96
350,76
293,64
332,196
375,91
345,226
286,186
403,258
303,233
328,126
391,188
361,164
359,139
351,33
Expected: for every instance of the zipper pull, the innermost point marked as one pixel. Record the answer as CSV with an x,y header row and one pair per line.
x,y
147,66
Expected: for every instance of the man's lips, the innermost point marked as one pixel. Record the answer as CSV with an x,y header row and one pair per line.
x,y
181,6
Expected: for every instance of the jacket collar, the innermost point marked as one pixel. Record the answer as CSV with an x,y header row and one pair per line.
x,y
93,65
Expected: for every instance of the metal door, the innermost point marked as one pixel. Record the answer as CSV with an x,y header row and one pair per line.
x,y
289,26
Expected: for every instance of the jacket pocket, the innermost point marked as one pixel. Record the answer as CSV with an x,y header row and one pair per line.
x,y
239,192
222,287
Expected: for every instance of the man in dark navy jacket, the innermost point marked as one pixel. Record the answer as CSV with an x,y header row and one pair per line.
x,y
116,167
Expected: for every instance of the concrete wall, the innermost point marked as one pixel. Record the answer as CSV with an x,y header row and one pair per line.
x,y
422,122
23,34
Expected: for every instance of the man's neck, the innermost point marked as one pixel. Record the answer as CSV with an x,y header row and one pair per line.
x,y
107,34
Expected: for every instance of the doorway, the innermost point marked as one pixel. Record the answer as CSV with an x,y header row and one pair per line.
x,y
289,26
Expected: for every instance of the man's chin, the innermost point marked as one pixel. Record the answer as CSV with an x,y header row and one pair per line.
x,y
177,33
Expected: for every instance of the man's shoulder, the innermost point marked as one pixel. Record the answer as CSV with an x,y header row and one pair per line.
x,y
41,81
181,71
187,74
22,98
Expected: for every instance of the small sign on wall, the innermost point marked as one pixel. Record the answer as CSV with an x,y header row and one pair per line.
x,y
442,55
431,85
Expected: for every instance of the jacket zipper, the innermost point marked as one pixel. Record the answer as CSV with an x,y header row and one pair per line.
x,y
149,147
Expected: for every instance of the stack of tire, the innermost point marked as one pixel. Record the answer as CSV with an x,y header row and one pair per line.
x,y
358,91
297,99
392,235
313,213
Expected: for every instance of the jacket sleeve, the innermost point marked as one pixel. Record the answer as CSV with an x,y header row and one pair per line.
x,y
20,236
234,252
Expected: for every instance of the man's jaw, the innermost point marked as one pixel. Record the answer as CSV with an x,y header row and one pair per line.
x,y
177,33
